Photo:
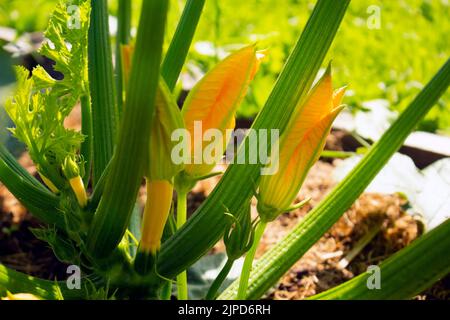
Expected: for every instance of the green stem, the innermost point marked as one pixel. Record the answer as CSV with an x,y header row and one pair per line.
x,y
215,286
86,129
181,41
166,291
101,82
17,282
181,220
122,38
43,204
337,154
248,262
122,185
359,246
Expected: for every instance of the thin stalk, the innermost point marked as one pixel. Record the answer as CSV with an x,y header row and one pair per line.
x,y
215,286
101,82
86,129
248,262
166,291
181,41
359,246
337,154
182,288
122,38
113,214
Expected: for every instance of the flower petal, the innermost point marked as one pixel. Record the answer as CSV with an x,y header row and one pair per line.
x,y
214,100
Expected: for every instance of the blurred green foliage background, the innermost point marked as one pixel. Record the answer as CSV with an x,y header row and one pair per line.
x,y
385,49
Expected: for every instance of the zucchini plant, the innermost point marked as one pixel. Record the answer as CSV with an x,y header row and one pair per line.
x,y
133,132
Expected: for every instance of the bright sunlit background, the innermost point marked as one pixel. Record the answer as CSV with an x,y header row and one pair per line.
x,y
384,49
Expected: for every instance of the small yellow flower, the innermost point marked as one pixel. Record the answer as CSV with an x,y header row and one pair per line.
x,y
300,146
215,99
72,173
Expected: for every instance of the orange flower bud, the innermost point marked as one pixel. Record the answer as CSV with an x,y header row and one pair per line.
x,y
213,103
300,146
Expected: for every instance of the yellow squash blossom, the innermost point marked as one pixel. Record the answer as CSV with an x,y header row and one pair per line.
x,y
156,211
214,100
161,169
300,146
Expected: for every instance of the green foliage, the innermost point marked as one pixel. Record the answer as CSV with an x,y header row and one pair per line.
x,y
41,103
39,123
25,15
390,62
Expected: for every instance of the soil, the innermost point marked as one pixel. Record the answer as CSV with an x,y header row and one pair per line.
x,y
321,268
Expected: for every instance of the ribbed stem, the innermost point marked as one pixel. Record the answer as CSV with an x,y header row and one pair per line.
x,y
181,41
86,129
127,168
182,288
17,282
36,198
122,38
101,82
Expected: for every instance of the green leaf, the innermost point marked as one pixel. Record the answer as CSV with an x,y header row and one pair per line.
x,y
127,168
41,103
39,123
208,223
274,263
405,274
101,83
66,44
